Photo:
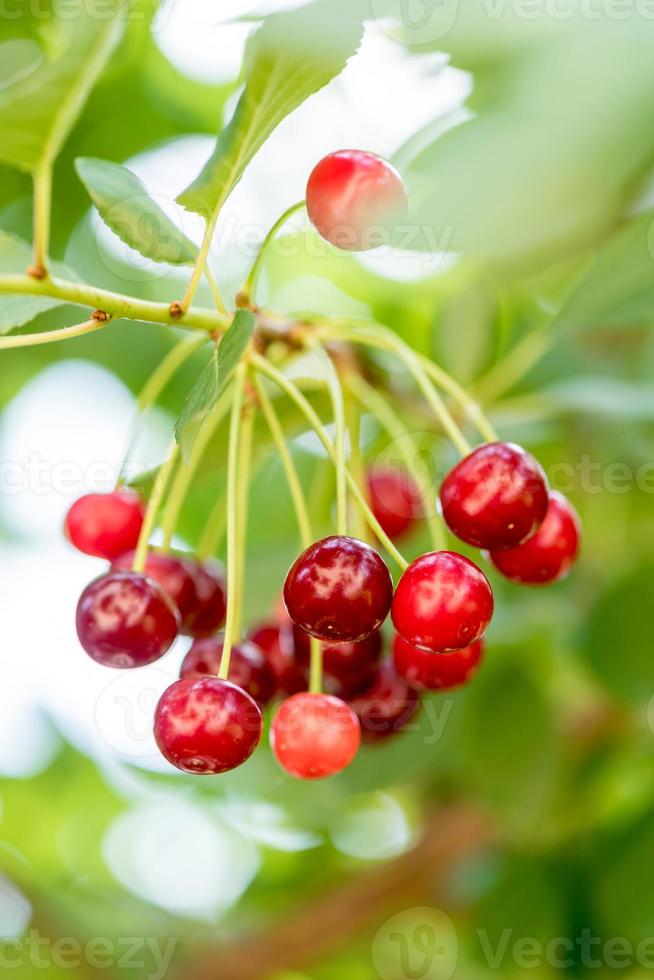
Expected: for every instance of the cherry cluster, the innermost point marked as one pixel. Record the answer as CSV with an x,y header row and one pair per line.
x,y
339,591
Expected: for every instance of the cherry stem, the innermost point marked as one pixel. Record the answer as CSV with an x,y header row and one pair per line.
x,y
51,336
154,503
154,386
353,424
301,512
232,517
249,286
294,393
243,497
42,211
338,408
201,261
187,470
215,292
370,398
518,362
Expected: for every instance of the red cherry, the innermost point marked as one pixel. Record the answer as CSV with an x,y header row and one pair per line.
x,y
551,553
314,735
173,575
206,726
210,609
496,497
276,642
126,620
338,589
387,705
430,671
248,667
352,195
442,602
394,499
347,667
105,524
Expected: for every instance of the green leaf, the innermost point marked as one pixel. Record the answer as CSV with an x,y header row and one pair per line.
x,y
214,379
291,56
16,311
618,288
39,110
126,207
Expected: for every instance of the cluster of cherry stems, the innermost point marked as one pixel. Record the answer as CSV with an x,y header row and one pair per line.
x,y
338,592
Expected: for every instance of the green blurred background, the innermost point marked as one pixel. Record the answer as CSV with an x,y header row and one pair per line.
x,y
512,832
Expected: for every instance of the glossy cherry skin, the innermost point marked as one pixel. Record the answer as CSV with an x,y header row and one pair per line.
x,y
276,642
206,726
126,620
314,735
338,589
210,608
173,575
442,602
551,553
387,705
351,196
105,524
429,671
394,499
248,667
496,497
347,667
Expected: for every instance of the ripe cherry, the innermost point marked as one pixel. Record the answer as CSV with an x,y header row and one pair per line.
x,y
248,668
551,553
496,497
210,608
429,671
105,524
126,620
206,726
314,735
173,575
352,196
387,705
347,667
276,642
338,589
442,602
394,499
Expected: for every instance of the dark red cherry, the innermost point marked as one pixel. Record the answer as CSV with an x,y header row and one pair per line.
x,y
173,575
126,620
387,705
496,497
210,608
248,667
276,642
105,524
353,197
430,671
551,553
314,735
338,589
442,602
206,726
394,499
347,667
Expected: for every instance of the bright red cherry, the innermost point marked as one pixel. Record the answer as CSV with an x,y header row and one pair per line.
x,y
276,642
173,575
430,671
314,735
206,726
387,705
248,668
352,197
105,524
126,620
442,602
338,589
394,499
347,667
551,553
208,614
496,497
